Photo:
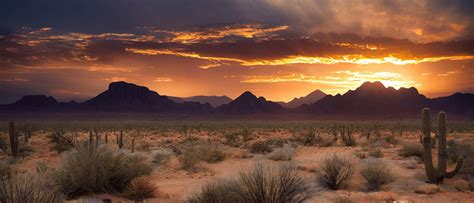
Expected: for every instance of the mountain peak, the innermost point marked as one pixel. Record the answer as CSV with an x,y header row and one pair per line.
x,y
247,95
125,85
372,85
37,99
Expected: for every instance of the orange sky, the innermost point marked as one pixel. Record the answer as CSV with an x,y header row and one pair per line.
x,y
298,52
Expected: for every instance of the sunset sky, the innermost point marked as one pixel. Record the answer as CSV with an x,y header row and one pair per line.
x,y
278,49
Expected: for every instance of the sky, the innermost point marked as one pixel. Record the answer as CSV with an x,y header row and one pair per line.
x,y
279,49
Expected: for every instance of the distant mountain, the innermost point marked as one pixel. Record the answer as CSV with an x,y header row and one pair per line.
x,y
249,103
214,101
371,99
128,97
308,99
32,103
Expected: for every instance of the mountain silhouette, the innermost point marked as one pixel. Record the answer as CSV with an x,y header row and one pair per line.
x,y
371,99
214,101
128,97
308,99
249,103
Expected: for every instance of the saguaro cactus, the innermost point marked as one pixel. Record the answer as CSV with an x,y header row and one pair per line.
x,y
13,139
436,175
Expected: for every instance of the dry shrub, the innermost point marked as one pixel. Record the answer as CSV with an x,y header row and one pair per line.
x,y
336,171
411,149
260,147
162,156
27,187
376,174
140,188
361,155
203,152
376,152
282,154
87,170
262,184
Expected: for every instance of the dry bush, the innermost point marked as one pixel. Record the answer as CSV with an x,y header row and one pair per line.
x,y
140,188
465,150
27,187
376,174
376,152
262,184
87,170
361,155
203,152
162,156
232,139
260,147
336,171
411,149
282,154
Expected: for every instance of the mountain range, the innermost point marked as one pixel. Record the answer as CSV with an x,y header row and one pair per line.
x,y
370,99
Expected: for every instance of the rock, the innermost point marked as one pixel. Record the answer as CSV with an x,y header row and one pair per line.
x,y
461,185
427,189
409,164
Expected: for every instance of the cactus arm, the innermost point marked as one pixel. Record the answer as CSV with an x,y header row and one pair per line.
x,y
441,146
427,158
456,170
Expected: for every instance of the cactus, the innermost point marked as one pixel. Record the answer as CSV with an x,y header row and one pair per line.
x,y
13,139
120,140
436,175
133,144
106,138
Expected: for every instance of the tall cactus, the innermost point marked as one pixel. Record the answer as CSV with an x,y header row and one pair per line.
x,y
436,175
13,139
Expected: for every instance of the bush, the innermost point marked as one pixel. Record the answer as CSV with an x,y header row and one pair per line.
x,y
262,184
464,149
377,153
162,156
86,170
232,139
336,171
197,153
140,188
27,187
377,174
260,147
361,155
411,149
282,154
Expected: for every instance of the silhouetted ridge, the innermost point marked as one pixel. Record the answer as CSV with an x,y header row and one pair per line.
x,y
308,99
249,103
214,101
122,96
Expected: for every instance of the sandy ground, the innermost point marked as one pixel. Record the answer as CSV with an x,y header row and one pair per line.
x,y
175,184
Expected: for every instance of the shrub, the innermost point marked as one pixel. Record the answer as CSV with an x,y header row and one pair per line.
x,y
464,149
377,174
262,184
336,171
361,155
161,156
282,154
348,138
260,147
27,187
86,170
224,190
411,149
377,153
232,139
202,152
140,188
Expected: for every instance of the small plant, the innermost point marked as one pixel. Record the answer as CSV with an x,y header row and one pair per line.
x,y
377,174
201,152
26,187
336,171
262,184
232,139
282,154
89,170
361,155
260,147
377,153
411,149
161,157
60,141
140,188
347,137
